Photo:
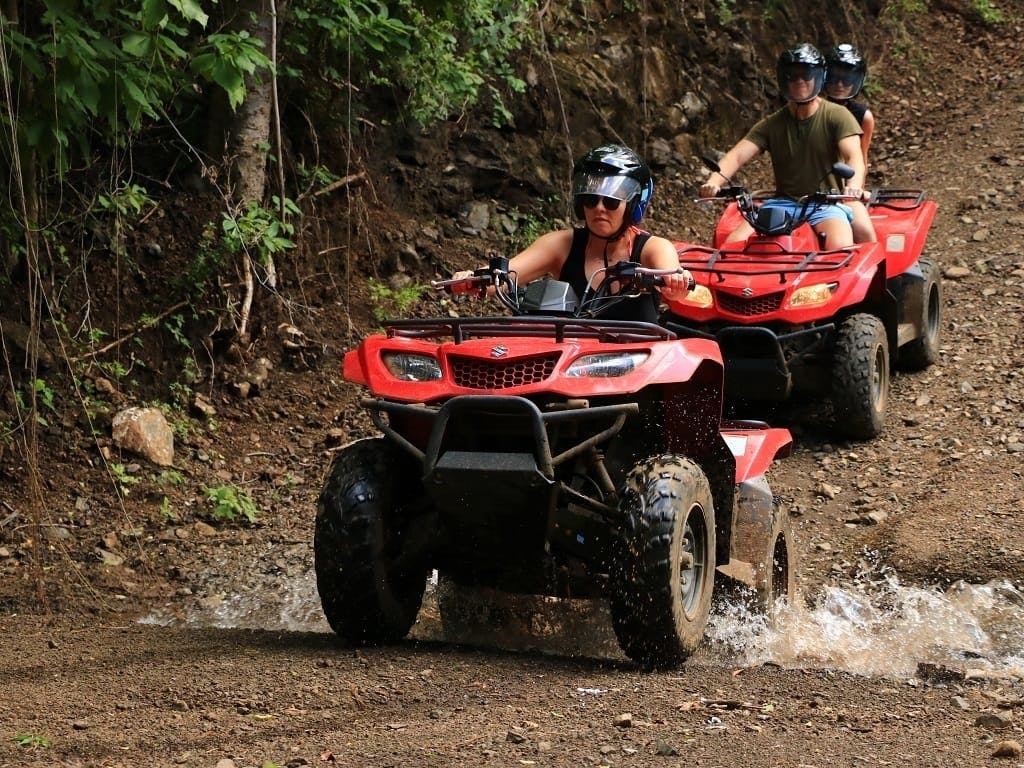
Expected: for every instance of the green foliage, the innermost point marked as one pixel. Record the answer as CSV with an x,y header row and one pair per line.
x,y
170,477
227,58
726,11
988,12
91,72
124,480
231,504
529,227
444,56
129,200
391,302
33,740
260,231
44,397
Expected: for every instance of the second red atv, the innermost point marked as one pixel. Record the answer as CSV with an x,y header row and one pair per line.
x,y
549,453
794,317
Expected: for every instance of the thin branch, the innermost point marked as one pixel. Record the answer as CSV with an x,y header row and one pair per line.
x,y
343,182
131,334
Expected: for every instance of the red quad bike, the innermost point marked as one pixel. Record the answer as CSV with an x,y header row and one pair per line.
x,y
549,453
793,317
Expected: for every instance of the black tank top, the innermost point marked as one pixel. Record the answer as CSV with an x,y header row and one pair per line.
x,y
643,308
858,109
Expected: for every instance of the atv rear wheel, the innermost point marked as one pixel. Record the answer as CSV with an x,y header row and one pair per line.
x,y
923,351
370,583
860,377
768,548
664,574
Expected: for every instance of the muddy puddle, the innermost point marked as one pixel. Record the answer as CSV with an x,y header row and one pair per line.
x,y
873,626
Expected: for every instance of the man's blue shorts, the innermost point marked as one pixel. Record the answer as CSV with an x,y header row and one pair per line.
x,y
818,213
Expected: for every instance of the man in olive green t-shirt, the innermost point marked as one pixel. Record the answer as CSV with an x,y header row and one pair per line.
x,y
805,139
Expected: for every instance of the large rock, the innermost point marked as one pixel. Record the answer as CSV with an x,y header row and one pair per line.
x,y
145,431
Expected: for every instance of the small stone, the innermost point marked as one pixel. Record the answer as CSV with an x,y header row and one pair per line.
x,y
665,749
1008,748
515,737
994,721
960,703
624,720
956,273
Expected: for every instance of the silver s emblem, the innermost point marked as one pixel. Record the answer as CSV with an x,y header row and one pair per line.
x,y
499,351
748,292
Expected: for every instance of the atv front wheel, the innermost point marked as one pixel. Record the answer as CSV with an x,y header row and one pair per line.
x,y
923,351
860,377
664,574
370,579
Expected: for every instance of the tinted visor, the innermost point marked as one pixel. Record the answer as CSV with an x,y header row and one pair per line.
x,y
619,187
844,77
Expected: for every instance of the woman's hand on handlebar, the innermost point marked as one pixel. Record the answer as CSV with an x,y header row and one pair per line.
x,y
466,281
676,285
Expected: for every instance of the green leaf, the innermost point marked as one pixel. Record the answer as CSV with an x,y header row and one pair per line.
x,y
154,14
230,79
137,44
191,10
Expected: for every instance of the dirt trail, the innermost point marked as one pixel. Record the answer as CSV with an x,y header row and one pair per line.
x,y
945,481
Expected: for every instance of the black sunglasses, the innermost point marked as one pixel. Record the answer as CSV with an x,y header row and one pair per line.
x,y
591,201
838,79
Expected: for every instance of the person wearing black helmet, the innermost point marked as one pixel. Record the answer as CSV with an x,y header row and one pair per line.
x,y
805,139
845,72
611,190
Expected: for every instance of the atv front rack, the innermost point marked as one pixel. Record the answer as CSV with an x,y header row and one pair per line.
x,y
559,328
742,261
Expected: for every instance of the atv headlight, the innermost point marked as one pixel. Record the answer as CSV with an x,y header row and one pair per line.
x,y
606,366
812,295
408,367
700,296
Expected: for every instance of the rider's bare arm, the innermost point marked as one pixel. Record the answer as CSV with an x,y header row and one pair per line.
x,y
868,126
659,253
742,153
544,256
851,154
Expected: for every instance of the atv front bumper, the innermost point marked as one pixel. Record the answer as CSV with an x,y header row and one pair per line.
x,y
761,364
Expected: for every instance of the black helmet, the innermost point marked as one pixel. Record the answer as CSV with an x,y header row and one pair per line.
x,y
846,70
613,171
801,59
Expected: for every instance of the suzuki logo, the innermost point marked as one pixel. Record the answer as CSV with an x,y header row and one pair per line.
x,y
499,351
748,292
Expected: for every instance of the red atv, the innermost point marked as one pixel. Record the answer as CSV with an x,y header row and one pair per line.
x,y
791,316
549,453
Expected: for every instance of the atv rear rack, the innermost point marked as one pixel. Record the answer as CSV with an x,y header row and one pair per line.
x,y
700,258
559,328
890,197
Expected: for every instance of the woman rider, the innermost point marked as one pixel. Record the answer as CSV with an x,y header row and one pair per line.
x,y
611,188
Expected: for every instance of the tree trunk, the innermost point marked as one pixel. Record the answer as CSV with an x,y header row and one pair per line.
x,y
250,138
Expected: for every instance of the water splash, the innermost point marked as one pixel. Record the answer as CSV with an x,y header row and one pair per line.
x,y
880,627
874,625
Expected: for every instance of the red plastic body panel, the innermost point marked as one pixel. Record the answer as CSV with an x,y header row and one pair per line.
x,y
774,267
669,362
756,449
